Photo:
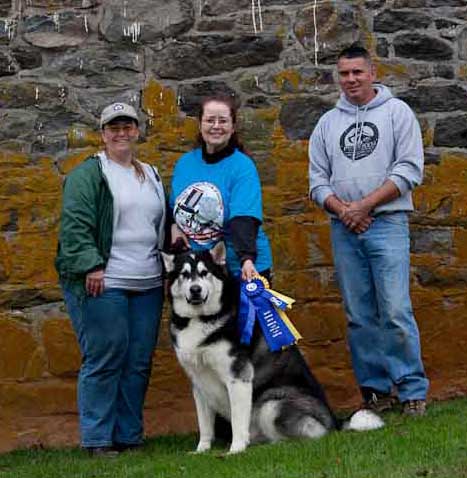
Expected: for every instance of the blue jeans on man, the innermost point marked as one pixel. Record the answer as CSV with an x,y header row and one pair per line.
x,y
117,333
373,273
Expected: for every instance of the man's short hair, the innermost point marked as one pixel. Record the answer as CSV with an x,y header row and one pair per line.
x,y
355,51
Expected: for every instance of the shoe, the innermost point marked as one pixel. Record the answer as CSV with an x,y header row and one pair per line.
x,y
377,402
414,408
103,452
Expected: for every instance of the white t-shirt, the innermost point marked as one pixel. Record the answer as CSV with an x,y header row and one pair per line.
x,y
134,261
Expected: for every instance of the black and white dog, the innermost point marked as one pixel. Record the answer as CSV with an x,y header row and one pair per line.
x,y
266,396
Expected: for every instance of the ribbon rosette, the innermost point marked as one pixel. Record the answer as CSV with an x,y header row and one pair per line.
x,y
258,302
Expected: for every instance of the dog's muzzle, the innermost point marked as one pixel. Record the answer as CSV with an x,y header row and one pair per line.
x,y
196,295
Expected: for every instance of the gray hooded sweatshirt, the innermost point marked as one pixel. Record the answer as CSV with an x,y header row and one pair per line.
x,y
354,149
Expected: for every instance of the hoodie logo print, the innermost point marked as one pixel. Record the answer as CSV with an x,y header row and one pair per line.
x,y
359,140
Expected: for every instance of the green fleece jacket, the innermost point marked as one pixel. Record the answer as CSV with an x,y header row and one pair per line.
x,y
85,236
86,227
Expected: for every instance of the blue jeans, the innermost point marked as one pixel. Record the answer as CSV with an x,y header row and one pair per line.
x,y
373,271
117,332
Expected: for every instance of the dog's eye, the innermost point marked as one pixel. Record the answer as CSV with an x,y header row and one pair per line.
x,y
186,275
203,273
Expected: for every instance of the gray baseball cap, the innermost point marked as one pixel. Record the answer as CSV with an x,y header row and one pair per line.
x,y
116,110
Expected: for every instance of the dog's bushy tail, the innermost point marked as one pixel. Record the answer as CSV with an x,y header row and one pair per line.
x,y
363,420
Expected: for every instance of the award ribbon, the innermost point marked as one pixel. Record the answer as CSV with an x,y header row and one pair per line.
x,y
258,302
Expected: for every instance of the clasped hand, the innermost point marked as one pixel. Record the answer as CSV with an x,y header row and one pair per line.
x,y
356,216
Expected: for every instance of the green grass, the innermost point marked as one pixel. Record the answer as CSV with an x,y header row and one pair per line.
x,y
434,446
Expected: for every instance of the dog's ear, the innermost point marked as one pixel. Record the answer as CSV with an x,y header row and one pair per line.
x,y
218,253
169,260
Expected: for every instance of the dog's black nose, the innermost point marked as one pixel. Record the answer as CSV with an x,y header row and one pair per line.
x,y
195,290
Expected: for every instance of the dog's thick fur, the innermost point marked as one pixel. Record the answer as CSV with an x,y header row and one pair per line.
x,y
265,395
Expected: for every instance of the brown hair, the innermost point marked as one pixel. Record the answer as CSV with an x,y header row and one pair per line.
x,y
232,104
140,174
355,51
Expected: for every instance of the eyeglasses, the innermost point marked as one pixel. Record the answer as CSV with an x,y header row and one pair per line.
x,y
115,129
221,121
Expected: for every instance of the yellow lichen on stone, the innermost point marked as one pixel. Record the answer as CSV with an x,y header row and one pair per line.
x,y
14,359
286,78
463,72
384,70
61,347
74,159
5,258
444,192
167,129
29,214
428,135
460,246
9,159
81,137
158,101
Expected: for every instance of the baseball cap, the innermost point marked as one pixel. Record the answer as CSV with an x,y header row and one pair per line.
x,y
116,110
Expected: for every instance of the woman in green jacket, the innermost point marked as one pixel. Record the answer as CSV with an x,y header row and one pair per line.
x,y
112,228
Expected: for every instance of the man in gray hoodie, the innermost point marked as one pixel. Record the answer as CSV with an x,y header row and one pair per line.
x,y
366,156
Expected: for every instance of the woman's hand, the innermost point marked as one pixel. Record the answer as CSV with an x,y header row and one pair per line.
x,y
95,282
178,241
248,270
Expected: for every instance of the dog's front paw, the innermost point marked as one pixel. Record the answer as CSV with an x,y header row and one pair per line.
x,y
238,447
203,446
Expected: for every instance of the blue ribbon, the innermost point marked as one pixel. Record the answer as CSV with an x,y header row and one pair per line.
x,y
257,303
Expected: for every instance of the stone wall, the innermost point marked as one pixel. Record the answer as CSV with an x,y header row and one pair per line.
x,y
61,61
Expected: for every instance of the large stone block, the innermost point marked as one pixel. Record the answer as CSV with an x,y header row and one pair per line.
x,y
422,47
213,54
299,245
256,127
47,431
462,42
5,6
59,4
20,354
61,347
95,100
41,95
391,21
273,22
310,285
330,363
428,3
17,124
435,98
99,66
29,213
8,66
189,96
336,27
447,3
32,399
210,25
445,278
451,132
319,323
145,21
57,30
299,116
275,81
222,7
27,57
442,198
431,240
